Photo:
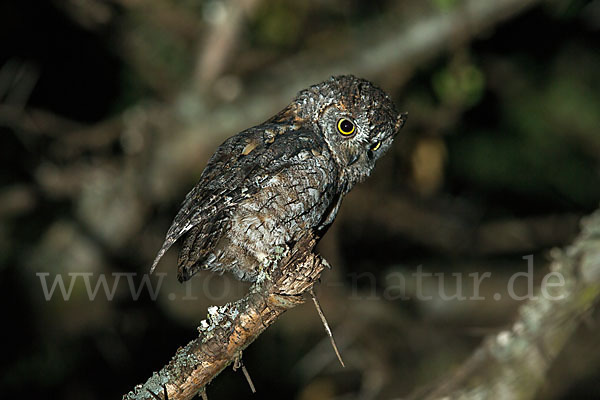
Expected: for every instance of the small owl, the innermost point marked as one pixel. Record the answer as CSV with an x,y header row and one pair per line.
x,y
267,186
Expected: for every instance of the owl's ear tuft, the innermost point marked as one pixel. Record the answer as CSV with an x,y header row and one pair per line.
x,y
402,117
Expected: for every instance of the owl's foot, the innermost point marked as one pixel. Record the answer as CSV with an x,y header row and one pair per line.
x,y
326,325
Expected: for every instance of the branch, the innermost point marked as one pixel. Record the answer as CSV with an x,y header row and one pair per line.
x,y
229,329
220,43
513,363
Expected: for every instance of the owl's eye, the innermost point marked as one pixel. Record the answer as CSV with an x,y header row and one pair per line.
x,y
374,147
346,127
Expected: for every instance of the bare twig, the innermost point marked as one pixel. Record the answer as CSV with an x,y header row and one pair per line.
x,y
228,330
203,394
247,375
240,364
326,325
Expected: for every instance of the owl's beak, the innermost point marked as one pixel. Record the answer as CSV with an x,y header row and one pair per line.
x,y
354,159
400,122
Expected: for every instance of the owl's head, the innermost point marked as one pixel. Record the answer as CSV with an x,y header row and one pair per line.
x,y
357,119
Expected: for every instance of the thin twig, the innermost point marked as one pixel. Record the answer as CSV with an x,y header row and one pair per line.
x,y
326,325
239,363
247,375
203,394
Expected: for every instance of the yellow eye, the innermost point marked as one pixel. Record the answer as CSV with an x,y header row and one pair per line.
x,y
346,127
376,146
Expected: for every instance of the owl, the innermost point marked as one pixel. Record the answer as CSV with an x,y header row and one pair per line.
x,y
269,185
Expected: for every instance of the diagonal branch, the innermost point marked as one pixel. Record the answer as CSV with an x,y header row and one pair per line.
x,y
513,363
229,329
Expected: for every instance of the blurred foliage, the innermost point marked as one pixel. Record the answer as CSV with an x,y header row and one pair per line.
x,y
459,84
279,25
445,5
548,139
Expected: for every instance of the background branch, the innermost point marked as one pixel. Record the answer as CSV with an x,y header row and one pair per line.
x,y
513,363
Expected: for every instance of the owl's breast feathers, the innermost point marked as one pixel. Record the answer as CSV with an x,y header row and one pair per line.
x,y
262,188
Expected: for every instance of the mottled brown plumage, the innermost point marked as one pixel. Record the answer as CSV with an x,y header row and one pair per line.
x,y
268,185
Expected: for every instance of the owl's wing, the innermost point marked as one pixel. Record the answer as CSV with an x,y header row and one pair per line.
x,y
235,172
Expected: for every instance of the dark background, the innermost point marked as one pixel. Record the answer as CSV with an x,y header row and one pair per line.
x,y
110,109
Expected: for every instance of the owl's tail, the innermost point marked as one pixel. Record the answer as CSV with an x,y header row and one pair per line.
x,y
193,255
166,246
